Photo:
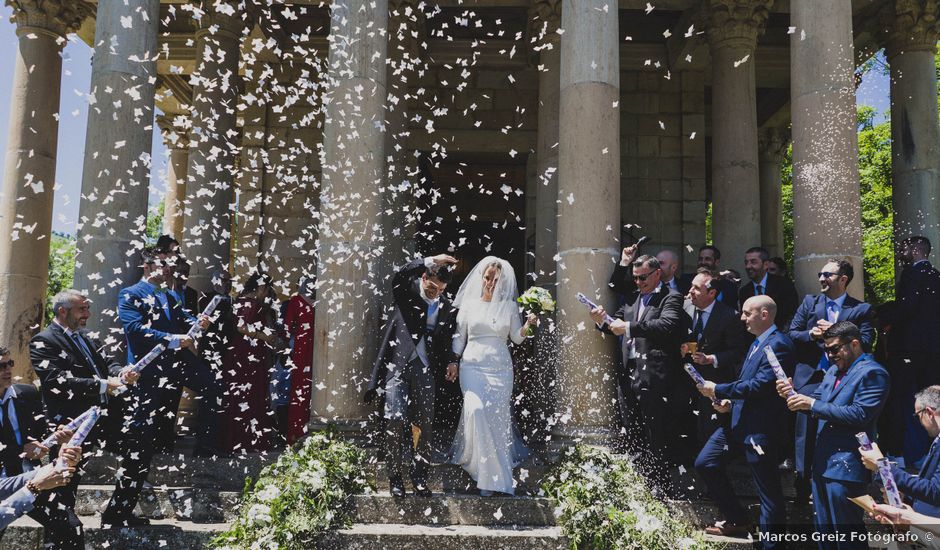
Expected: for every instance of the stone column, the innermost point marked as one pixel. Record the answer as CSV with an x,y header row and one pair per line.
x,y
773,145
29,168
732,31
116,175
351,240
175,130
826,203
210,176
588,215
544,19
912,27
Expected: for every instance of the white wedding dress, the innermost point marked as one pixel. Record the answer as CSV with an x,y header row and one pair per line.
x,y
486,445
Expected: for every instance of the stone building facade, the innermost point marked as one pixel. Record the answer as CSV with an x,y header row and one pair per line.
x,y
337,140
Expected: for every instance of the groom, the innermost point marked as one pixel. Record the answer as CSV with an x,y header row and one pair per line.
x,y
417,343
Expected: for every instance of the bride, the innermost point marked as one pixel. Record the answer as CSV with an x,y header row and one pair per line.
x,y
486,445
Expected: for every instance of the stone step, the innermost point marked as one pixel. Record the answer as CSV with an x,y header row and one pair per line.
x,y
451,478
26,534
397,536
196,504
183,470
705,512
447,509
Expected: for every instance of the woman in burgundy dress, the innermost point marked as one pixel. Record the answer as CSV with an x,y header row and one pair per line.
x,y
299,324
248,424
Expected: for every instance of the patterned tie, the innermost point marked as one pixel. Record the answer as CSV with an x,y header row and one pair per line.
x,y
699,324
832,314
759,291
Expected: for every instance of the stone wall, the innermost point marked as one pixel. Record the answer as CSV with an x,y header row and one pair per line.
x,y
663,166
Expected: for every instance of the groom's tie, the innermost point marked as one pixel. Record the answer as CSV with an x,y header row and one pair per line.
x,y
432,307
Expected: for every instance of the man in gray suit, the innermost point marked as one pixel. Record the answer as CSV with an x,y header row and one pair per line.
x,y
416,346
19,493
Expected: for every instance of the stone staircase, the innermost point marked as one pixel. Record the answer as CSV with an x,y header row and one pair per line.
x,y
192,499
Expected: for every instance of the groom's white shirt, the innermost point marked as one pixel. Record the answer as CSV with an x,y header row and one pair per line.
x,y
421,350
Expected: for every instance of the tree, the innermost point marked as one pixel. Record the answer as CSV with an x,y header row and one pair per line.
x,y
61,268
155,222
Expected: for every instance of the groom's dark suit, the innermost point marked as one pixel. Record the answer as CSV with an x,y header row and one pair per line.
x,y
412,351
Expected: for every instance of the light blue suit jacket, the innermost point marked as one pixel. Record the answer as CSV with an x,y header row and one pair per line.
x,y
17,499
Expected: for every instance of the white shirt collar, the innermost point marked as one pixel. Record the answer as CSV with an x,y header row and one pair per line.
x,y
67,330
9,394
762,283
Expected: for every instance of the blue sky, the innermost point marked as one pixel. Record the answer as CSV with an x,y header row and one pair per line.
x,y
76,79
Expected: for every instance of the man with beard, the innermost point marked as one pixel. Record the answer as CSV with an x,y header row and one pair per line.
x,y
781,289
709,257
814,316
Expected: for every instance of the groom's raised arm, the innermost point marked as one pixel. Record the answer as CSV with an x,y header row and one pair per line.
x,y
406,275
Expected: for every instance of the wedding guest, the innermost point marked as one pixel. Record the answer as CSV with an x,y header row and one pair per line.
x,y
22,427
656,398
149,317
778,266
815,315
756,429
709,257
248,421
756,264
848,401
923,490
298,321
29,491
76,375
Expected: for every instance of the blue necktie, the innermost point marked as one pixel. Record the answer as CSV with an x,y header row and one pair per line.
x,y
432,307
84,349
758,290
753,348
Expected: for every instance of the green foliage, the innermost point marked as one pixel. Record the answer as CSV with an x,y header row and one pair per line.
x,y
298,498
61,268
155,222
601,502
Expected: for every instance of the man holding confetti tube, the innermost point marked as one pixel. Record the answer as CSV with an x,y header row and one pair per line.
x,y
848,401
757,428
147,314
27,492
21,430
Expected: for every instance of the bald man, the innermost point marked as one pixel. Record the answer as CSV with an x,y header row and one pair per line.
x,y
758,428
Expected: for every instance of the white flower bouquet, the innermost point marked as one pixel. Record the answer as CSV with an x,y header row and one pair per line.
x,y
536,300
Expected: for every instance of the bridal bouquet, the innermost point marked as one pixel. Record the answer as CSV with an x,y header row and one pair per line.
x,y
536,300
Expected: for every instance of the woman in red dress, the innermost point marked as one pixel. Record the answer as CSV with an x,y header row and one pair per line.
x,y
298,321
248,423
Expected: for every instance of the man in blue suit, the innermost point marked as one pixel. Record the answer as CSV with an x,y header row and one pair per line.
x,y
847,402
814,316
922,490
757,424
150,316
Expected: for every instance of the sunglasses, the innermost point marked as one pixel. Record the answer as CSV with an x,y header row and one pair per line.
x,y
642,278
834,349
825,274
5,364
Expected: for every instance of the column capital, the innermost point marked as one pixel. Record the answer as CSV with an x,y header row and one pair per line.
x,y
175,130
910,25
734,22
772,143
544,21
59,17
222,18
